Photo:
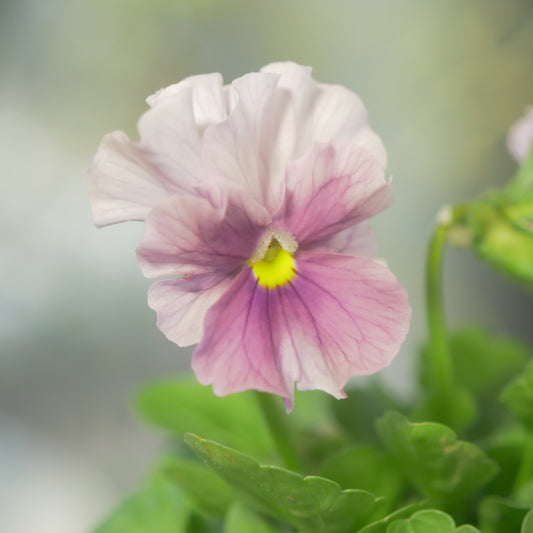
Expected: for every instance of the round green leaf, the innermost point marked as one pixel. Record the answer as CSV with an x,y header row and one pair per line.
x,y
241,519
182,405
160,508
443,468
311,504
518,396
527,524
429,521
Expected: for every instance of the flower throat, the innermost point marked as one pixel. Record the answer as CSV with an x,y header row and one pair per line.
x,y
275,268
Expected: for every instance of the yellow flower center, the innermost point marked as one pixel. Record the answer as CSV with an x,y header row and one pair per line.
x,y
276,268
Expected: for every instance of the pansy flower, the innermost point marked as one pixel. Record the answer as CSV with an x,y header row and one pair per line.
x,y
254,198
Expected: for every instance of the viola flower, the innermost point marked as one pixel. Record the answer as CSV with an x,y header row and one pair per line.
x,y
520,138
254,198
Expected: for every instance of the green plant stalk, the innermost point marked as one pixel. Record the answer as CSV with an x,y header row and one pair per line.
x,y
525,470
440,362
276,420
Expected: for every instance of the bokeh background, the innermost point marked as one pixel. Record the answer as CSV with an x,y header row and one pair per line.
x,y
442,80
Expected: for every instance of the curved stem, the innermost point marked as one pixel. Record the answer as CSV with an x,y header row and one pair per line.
x,y
276,420
439,362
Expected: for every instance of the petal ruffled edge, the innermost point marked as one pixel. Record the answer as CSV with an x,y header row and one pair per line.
x,y
325,112
210,100
123,183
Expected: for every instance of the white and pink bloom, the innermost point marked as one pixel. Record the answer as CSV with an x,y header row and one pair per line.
x,y
520,138
254,198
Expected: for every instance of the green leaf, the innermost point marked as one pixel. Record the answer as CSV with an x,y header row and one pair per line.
x,y
483,362
241,519
311,504
358,412
502,237
182,405
497,514
521,185
429,521
442,468
459,408
505,445
208,494
404,512
160,508
518,396
527,524
366,468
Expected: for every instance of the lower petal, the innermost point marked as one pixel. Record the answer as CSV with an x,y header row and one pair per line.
x,y
181,306
343,316
238,351
339,317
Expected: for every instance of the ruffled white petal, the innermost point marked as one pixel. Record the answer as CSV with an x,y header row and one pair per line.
x,y
170,135
209,102
123,183
243,149
325,113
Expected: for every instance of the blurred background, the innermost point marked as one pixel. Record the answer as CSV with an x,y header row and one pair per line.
x,y
442,81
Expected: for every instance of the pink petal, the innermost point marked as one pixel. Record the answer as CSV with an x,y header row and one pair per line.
x,y
238,351
181,306
188,236
330,189
356,240
339,317
123,183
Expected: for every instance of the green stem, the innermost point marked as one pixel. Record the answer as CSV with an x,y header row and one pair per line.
x,y
525,471
276,420
440,363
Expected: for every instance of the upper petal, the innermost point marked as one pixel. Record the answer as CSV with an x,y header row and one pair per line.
x,y
209,102
323,112
123,182
172,139
243,150
330,189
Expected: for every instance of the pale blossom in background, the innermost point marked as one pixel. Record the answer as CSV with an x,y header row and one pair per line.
x,y
520,138
255,197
